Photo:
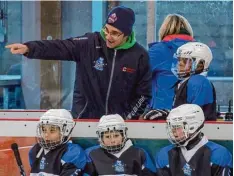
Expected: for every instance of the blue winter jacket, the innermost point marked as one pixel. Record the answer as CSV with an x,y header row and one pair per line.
x,y
163,80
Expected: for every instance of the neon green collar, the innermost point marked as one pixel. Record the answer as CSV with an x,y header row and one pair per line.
x,y
128,44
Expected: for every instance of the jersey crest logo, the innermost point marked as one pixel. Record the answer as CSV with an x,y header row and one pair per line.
x,y
42,163
187,170
119,166
99,64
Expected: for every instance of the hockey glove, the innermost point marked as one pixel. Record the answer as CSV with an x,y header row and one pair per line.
x,y
156,114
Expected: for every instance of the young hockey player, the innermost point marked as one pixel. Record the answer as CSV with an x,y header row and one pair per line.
x,y
116,154
54,154
191,65
191,154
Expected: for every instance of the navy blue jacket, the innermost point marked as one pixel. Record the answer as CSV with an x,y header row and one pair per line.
x,y
107,81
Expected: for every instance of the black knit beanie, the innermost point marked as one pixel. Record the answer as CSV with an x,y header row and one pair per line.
x,y
121,18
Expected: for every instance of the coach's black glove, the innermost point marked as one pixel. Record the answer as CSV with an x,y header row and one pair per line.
x,y
156,114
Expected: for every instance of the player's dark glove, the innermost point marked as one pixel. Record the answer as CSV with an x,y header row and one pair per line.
x,y
156,114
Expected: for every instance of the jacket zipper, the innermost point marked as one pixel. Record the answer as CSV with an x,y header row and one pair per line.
x,y
111,77
86,103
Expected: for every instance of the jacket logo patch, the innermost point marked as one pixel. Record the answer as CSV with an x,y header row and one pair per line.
x,y
42,163
99,64
112,18
187,170
119,166
128,70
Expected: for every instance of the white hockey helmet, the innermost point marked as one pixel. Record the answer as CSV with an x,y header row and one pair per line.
x,y
184,123
112,123
60,118
195,53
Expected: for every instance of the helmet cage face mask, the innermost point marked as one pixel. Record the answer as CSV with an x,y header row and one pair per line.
x,y
112,132
65,127
177,133
180,131
183,67
199,53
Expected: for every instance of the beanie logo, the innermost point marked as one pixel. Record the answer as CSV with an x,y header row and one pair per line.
x,y
112,18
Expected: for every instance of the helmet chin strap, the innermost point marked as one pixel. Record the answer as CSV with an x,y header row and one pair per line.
x,y
194,141
182,76
187,141
67,138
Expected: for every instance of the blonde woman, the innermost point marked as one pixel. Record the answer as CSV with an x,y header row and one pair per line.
x,y
174,32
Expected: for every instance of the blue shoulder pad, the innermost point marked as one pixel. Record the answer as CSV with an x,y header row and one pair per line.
x,y
161,158
220,155
200,90
88,150
31,159
75,155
